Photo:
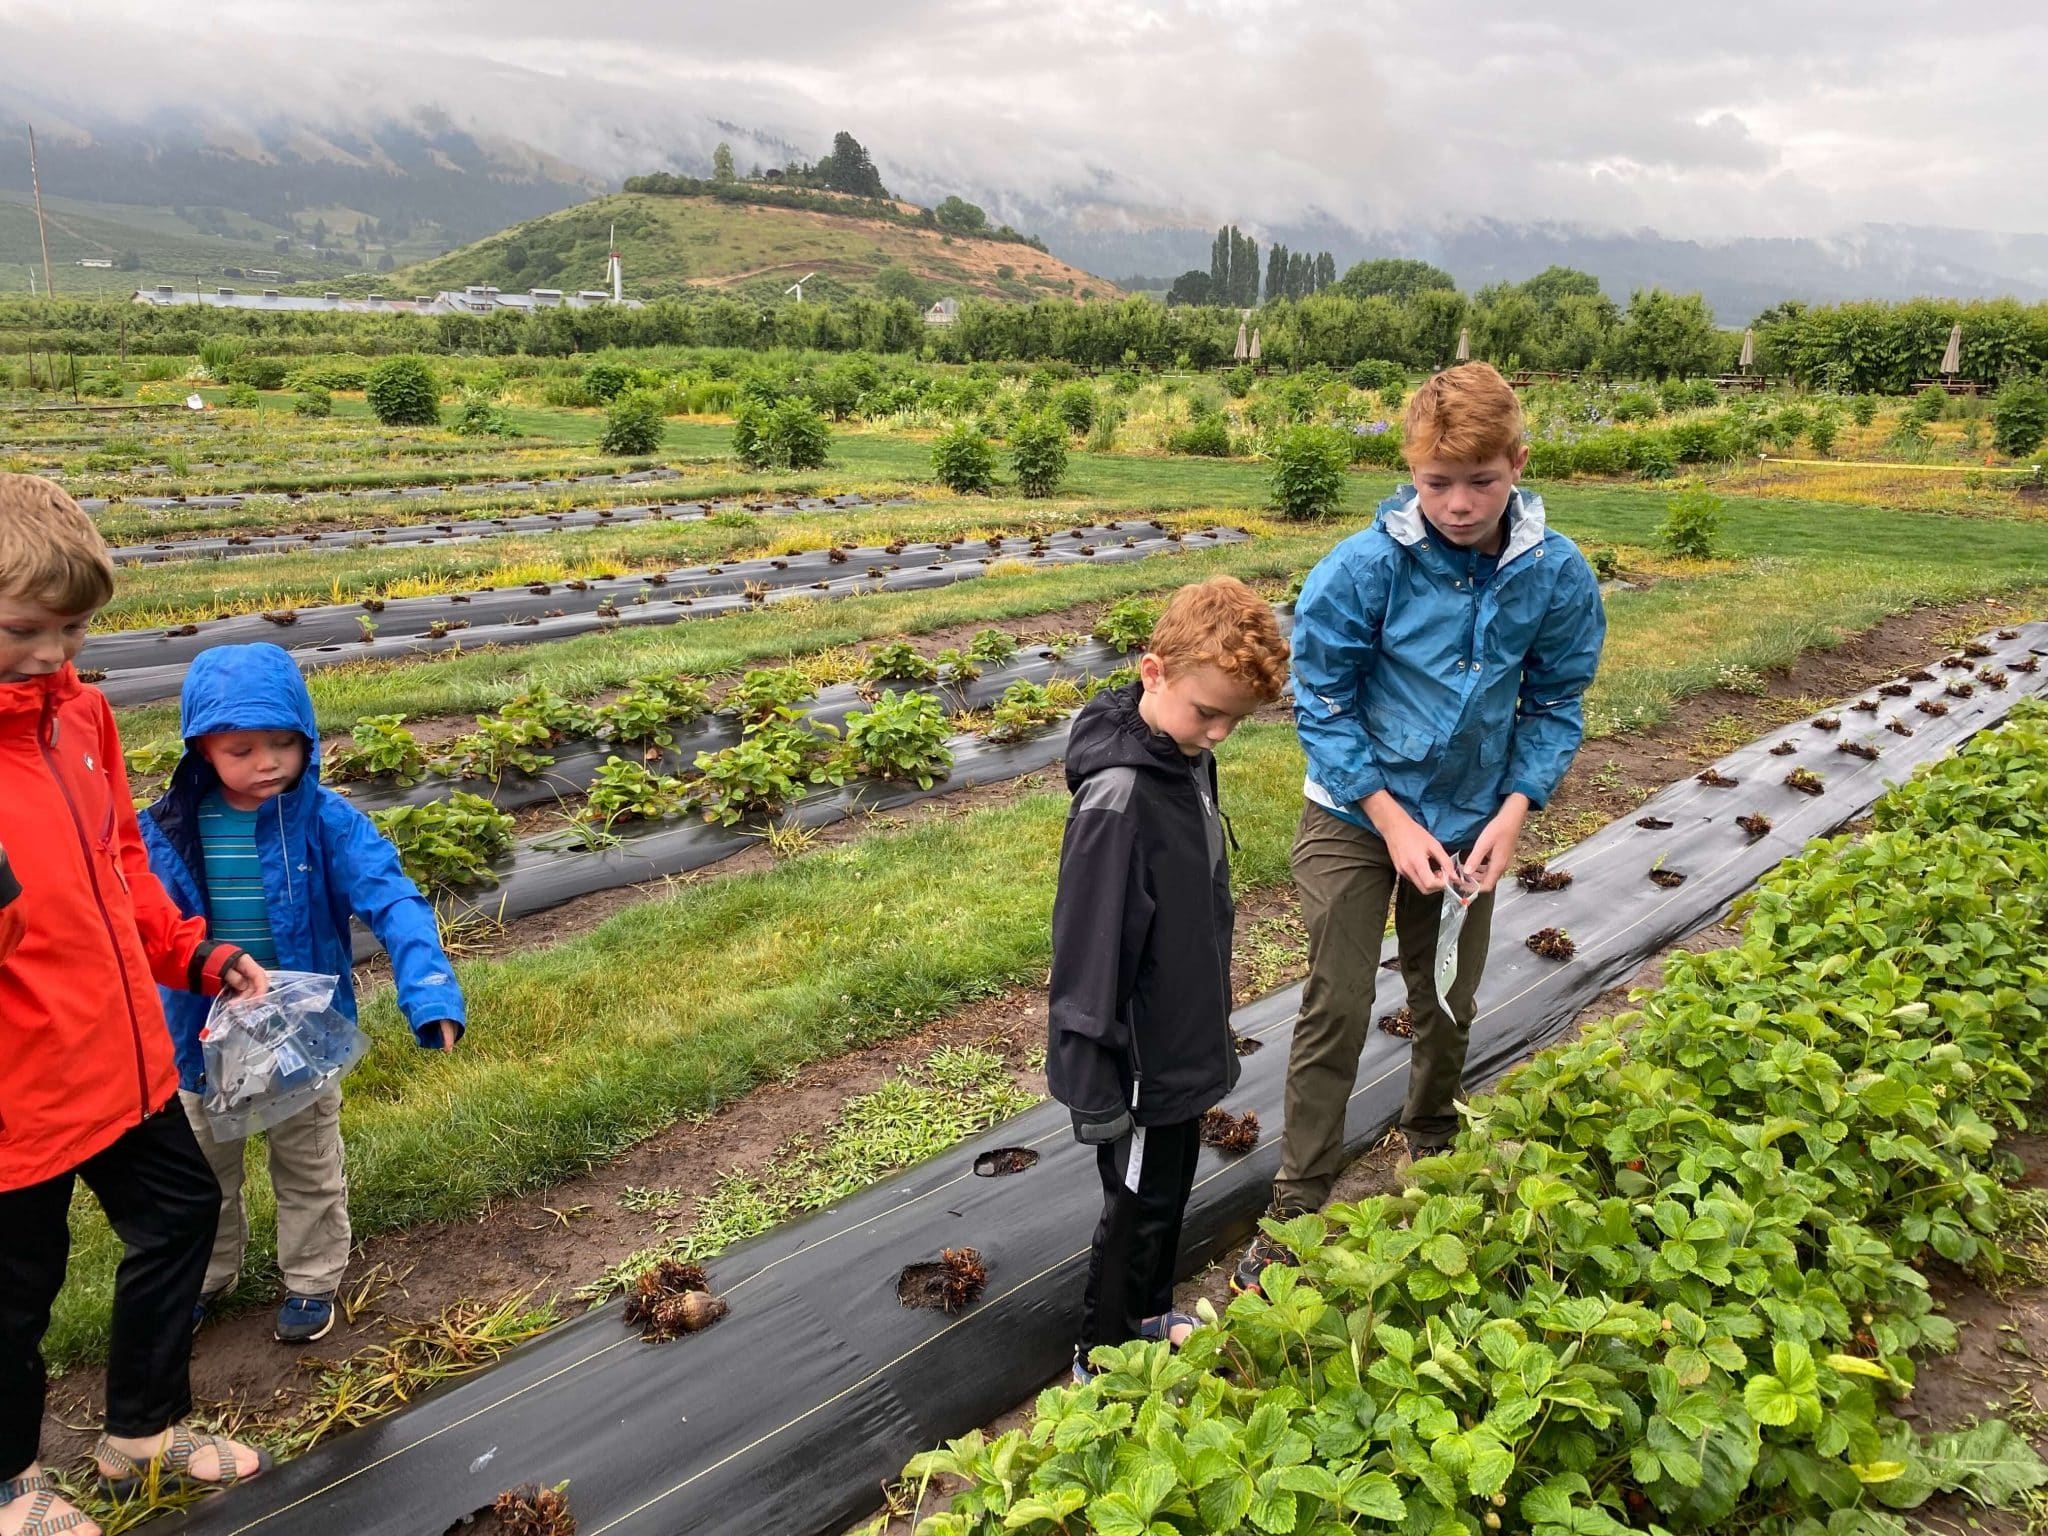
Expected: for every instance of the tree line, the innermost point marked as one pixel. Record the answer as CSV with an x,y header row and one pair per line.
x,y
1558,320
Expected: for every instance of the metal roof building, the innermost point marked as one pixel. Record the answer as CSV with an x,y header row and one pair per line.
x,y
477,299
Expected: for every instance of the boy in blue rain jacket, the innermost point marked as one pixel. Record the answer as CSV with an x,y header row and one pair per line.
x,y
248,837
1440,662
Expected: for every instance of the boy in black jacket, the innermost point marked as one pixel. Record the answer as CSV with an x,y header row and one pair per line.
x,y
1139,1013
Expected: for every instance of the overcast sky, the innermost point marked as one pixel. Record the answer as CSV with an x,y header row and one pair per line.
x,y
1787,117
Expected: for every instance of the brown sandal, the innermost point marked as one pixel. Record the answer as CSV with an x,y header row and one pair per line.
x,y
171,1467
45,1492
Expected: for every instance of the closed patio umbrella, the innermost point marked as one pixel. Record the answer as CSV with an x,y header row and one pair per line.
x,y
1255,346
1464,346
1242,352
1952,359
1748,359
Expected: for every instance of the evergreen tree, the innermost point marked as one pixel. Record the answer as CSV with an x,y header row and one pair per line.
x,y
1276,273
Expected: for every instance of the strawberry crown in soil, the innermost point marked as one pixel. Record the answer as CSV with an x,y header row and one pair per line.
x,y
137,666
462,529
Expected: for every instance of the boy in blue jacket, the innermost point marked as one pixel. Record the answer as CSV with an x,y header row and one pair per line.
x,y
1441,658
248,837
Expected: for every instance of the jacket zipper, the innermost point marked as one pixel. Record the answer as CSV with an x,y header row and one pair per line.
x,y
46,742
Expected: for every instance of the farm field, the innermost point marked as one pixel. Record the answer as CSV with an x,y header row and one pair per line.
x,y
605,1021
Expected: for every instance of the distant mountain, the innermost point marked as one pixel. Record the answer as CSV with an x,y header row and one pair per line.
x,y
424,183
1740,277
414,187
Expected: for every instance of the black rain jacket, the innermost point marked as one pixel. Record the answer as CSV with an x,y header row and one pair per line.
x,y
1139,1018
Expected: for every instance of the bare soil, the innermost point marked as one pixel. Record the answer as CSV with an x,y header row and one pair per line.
x,y
553,1241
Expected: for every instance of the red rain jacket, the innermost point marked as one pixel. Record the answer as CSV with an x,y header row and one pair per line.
x,y
84,1051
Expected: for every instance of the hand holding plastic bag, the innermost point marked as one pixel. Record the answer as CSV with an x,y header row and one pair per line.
x,y
270,1057
1450,924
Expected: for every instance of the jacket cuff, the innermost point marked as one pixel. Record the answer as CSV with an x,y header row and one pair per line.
x,y
1537,797
1348,789
1093,1132
10,883
210,961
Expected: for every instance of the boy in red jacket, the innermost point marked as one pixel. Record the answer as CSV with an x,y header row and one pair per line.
x,y
88,1088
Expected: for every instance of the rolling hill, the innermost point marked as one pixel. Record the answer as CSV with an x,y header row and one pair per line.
x,y
680,244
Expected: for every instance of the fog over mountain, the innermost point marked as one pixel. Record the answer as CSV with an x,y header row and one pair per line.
x,y
1757,152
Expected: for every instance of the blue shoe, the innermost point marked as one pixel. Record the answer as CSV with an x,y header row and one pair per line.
x,y
1082,1374
304,1319
1159,1329
205,1305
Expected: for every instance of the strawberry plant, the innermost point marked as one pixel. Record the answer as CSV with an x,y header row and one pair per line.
x,y
154,758
624,791
898,739
956,668
446,845
562,719
645,714
767,692
992,646
897,661
1025,707
761,774
1127,625
380,748
499,745
1665,1277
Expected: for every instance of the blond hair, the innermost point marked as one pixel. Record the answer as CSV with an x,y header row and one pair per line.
x,y
1222,623
1467,414
50,552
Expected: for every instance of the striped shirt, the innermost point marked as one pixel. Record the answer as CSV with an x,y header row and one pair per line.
x,y
234,879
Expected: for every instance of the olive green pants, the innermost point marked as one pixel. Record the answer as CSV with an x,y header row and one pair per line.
x,y
1346,879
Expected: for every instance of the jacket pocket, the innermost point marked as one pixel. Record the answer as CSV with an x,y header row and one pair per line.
x,y
1396,736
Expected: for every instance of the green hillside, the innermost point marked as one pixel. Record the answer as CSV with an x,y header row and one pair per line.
x,y
163,248
676,244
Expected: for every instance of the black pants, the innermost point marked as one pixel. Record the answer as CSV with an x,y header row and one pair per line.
x,y
162,1200
1146,1179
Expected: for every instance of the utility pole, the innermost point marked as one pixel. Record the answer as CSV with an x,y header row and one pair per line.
x,y
36,185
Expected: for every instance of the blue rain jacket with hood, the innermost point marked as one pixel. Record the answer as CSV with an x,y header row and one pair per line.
x,y
1450,693
323,860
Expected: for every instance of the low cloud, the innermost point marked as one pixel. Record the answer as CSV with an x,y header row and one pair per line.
x,y
1789,118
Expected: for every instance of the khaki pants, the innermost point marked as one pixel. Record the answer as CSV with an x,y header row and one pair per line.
x,y
312,1197
1347,880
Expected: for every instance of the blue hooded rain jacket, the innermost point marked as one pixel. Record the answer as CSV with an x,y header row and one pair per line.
x,y
1450,694
323,860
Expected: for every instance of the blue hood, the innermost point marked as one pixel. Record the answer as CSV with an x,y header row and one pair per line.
x,y
324,862
247,688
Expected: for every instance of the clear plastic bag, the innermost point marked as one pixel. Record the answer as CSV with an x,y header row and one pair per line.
x,y
1450,924
267,1060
